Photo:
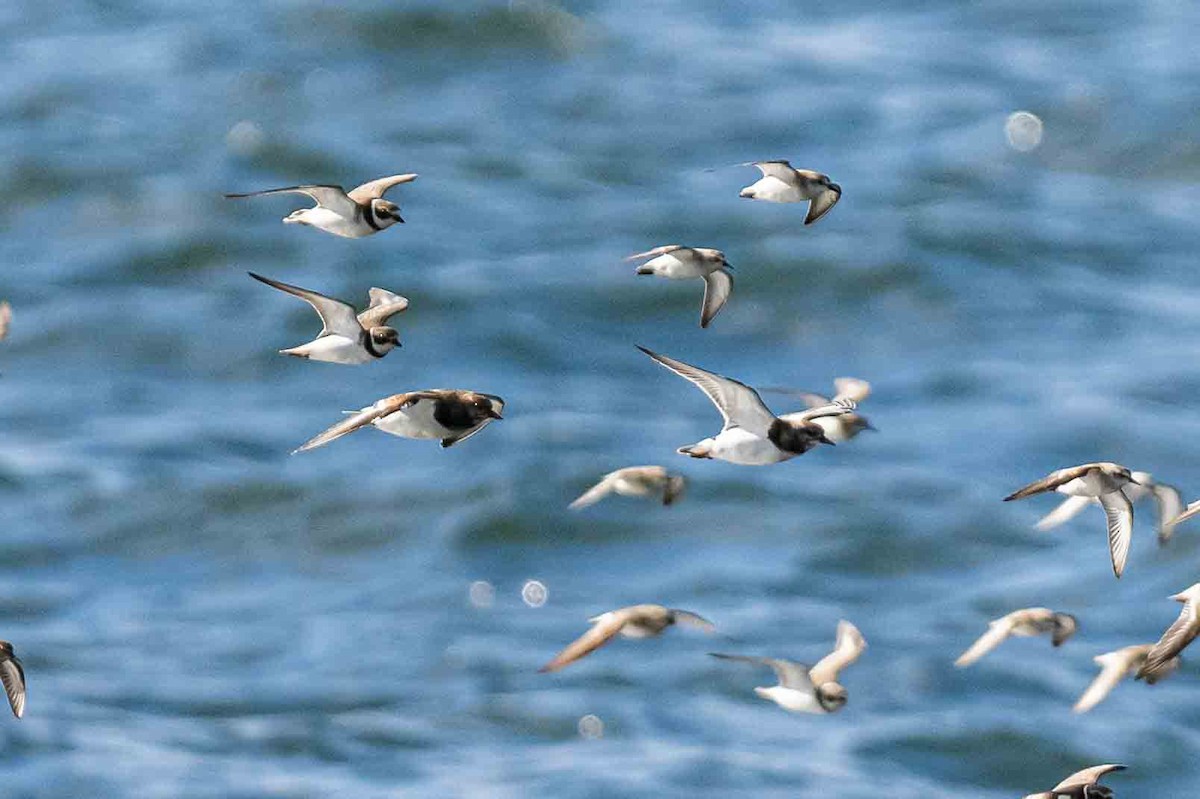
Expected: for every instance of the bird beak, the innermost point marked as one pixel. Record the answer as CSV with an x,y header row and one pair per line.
x,y
835,187
494,415
644,270
398,218
868,426
825,440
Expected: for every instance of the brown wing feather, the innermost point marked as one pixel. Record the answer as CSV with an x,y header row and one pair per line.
x,y
359,419
1049,482
1087,777
375,189
1173,641
13,677
822,204
384,305
600,634
849,646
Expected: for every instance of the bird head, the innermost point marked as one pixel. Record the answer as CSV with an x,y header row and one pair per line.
x,y
386,212
832,696
384,339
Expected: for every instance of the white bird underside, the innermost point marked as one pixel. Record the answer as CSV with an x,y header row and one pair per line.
x,y
332,349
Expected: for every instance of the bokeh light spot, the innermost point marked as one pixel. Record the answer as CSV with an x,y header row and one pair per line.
x,y
591,727
534,593
1023,131
481,594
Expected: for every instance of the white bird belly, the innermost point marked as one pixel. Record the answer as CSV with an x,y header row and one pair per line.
x,y
333,223
415,421
333,349
791,699
739,446
1089,485
774,190
673,267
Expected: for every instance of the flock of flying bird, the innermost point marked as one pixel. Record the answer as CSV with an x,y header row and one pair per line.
x,y
751,434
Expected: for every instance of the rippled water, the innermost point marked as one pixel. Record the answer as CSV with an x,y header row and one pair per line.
x,y
202,615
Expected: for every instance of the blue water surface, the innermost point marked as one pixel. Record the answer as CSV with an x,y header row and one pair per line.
x,y
203,615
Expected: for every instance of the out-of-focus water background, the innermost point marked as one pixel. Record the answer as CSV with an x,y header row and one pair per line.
x,y
201,614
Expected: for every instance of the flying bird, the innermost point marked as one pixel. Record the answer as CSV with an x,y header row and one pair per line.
x,y
5,318
1191,510
13,677
752,435
634,481
1166,497
1176,638
636,621
838,428
810,690
781,183
1104,482
448,414
1081,785
362,211
1116,666
347,337
676,262
1022,623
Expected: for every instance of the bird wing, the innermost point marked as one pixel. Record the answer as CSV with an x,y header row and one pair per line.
x,y
1050,482
1170,507
463,435
839,407
1191,510
693,619
821,204
1119,511
332,197
1173,641
384,305
657,251
362,418
851,388
717,286
850,645
739,404
1113,668
336,316
606,626
1086,777
790,674
809,398
996,634
13,677
1067,510
594,494
775,169
377,188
